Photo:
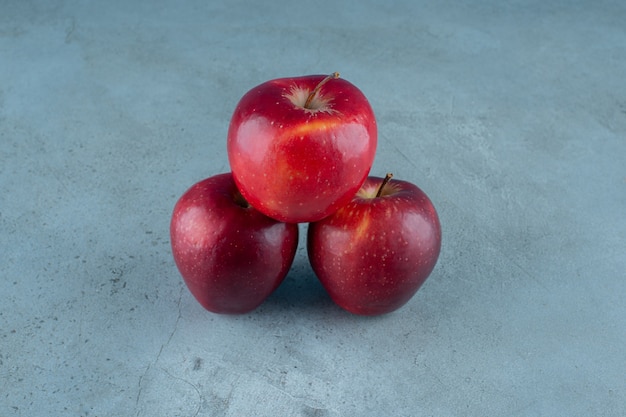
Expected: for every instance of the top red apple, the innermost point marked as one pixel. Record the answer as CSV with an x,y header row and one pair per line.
x,y
300,148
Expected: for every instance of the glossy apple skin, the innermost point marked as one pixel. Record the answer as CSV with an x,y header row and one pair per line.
x,y
299,165
374,254
230,256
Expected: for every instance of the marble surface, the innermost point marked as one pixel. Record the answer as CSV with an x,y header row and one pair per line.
x,y
510,115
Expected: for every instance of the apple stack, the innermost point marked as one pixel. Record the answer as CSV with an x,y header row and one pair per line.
x,y
300,151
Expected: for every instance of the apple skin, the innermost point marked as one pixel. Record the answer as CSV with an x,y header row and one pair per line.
x,y
231,256
373,254
298,164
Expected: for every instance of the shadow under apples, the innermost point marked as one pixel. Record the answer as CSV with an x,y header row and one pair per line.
x,y
302,294
301,290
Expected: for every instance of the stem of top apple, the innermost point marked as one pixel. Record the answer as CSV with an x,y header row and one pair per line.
x,y
383,183
312,94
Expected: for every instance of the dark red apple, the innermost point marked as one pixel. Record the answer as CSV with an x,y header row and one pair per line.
x,y
231,256
373,254
300,148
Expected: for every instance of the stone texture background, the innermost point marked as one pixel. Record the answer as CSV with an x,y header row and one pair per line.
x,y
510,115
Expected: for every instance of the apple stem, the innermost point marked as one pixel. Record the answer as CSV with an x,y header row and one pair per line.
x,y
383,183
309,99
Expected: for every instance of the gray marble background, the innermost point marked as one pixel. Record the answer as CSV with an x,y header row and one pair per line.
x,y
510,115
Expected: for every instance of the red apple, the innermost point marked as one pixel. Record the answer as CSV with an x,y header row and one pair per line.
x,y
373,254
230,255
300,148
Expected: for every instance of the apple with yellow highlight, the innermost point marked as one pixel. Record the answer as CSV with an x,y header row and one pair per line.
x,y
300,148
373,254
